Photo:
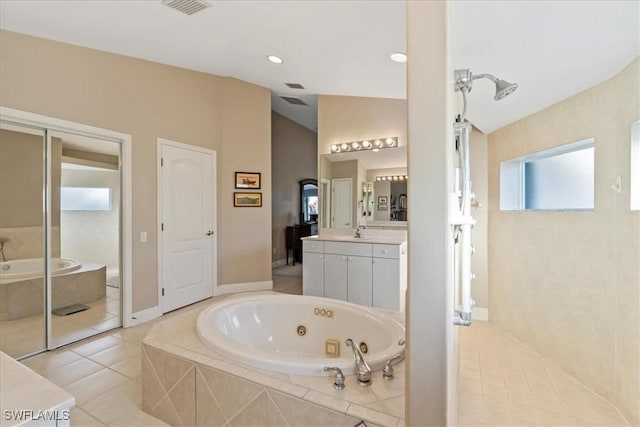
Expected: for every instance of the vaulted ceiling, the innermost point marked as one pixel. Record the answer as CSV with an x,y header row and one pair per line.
x,y
553,49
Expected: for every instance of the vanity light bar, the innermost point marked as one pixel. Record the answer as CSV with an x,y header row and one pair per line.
x,y
373,145
392,178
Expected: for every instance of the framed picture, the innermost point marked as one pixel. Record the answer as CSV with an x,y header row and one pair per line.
x,y
249,180
382,200
250,200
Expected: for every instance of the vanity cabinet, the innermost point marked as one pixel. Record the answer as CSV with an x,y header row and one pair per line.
x,y
313,269
368,274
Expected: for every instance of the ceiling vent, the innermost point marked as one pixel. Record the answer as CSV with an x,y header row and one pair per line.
x,y
188,7
295,85
294,101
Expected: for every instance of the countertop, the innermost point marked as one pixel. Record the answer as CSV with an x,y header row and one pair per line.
x,y
348,238
21,389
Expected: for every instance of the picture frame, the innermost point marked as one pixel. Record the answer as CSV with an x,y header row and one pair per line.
x,y
382,200
247,200
248,180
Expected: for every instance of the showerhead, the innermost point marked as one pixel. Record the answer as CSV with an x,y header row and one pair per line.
x,y
464,80
504,88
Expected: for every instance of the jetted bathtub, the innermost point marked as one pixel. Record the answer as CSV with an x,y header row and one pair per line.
x,y
292,333
32,268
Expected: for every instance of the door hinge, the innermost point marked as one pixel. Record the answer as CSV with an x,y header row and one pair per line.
x,y
161,161
162,291
162,226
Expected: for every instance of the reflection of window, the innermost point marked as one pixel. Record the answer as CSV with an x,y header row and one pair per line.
x,y
312,205
85,199
561,178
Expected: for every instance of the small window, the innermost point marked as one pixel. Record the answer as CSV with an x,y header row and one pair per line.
x,y
85,199
561,178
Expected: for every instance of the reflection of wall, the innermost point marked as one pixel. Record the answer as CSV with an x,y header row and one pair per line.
x,y
150,100
293,158
381,189
92,236
372,173
566,283
21,187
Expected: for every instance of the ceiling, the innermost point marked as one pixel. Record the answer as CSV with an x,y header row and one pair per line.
x,y
553,49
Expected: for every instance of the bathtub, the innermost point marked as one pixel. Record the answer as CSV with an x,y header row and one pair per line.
x,y
72,282
32,268
289,333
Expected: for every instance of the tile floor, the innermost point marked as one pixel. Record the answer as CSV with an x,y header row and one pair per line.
x,y
24,336
502,383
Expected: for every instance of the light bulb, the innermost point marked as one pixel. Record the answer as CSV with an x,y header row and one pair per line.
x,y
377,143
366,144
355,145
334,148
390,142
344,146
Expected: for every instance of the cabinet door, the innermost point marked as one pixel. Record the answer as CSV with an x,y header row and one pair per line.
x,y
335,276
386,283
313,274
359,289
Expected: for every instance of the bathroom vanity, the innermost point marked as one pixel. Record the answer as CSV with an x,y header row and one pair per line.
x,y
368,271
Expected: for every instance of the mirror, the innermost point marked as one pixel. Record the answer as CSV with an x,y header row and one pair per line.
x,y
363,188
308,201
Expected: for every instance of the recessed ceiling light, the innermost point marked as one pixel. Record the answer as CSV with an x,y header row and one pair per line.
x,y
398,57
275,59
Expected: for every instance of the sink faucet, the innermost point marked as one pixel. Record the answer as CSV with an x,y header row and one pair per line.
x,y
362,368
358,233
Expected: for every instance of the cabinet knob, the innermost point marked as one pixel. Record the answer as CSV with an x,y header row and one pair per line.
x,y
375,261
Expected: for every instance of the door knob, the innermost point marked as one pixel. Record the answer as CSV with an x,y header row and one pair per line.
x,y
210,233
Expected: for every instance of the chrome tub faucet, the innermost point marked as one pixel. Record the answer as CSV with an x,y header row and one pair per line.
x,y
362,368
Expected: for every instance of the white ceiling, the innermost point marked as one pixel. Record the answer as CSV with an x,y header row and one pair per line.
x,y
553,49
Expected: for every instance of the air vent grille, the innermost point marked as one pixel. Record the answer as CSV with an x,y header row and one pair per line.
x,y
294,101
295,85
188,7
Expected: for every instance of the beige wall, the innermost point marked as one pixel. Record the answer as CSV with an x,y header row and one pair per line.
x,y
21,179
150,100
567,283
294,157
352,118
432,358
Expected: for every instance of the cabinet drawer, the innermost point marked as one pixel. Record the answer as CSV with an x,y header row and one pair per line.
x,y
386,251
343,248
313,246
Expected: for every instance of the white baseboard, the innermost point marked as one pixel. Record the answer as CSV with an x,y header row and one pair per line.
x,y
278,263
143,316
480,313
231,288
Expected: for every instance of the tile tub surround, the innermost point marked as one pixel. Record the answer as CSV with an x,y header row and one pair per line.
x,y
27,242
24,298
185,383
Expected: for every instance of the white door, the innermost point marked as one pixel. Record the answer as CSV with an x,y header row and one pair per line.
x,y
187,219
341,199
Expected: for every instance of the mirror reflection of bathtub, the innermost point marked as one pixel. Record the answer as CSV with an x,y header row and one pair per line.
x,y
73,282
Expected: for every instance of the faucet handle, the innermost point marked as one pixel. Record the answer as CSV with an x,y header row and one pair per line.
x,y
338,380
387,371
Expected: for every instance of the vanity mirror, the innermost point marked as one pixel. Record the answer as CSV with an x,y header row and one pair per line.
x,y
363,188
